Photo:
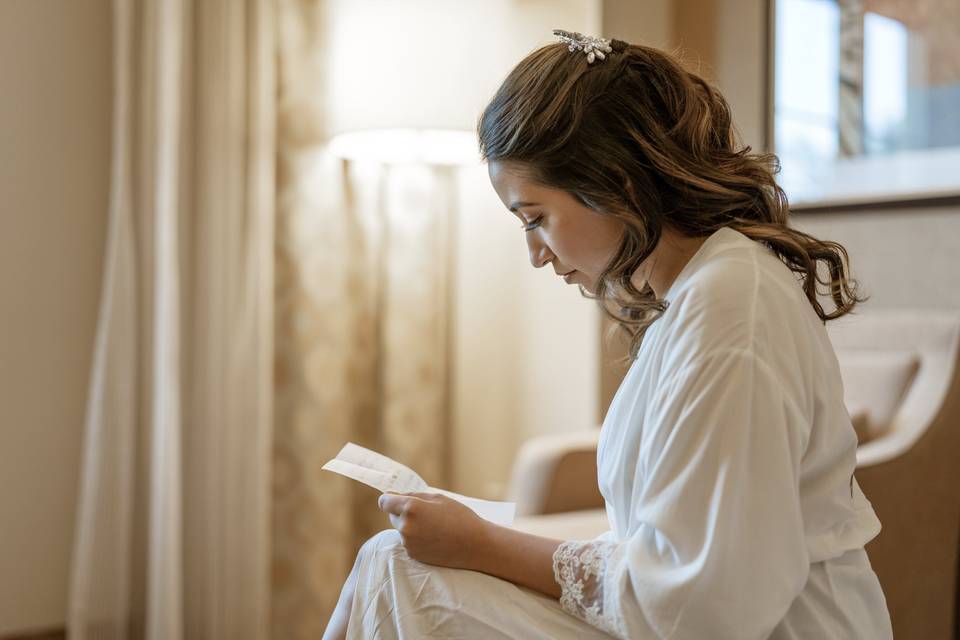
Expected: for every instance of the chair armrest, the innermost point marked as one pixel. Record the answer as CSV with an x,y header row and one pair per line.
x,y
555,473
930,399
572,525
883,449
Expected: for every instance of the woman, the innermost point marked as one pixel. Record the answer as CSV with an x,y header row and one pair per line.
x,y
726,458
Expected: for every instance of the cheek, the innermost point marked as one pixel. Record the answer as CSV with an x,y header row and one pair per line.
x,y
610,238
601,245
572,240
587,242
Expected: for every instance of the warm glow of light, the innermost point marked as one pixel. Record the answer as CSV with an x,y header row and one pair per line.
x,y
408,146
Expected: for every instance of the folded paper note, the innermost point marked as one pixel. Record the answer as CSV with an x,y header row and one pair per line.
x,y
386,474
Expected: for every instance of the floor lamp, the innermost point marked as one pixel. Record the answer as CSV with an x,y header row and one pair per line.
x,y
401,186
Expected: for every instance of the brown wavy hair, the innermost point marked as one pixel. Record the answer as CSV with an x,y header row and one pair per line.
x,y
640,138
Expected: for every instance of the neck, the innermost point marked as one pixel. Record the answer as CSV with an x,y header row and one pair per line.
x,y
667,260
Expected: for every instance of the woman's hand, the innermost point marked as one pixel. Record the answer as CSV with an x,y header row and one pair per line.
x,y
435,529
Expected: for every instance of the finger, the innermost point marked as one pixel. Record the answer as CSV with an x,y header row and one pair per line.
x,y
395,521
393,503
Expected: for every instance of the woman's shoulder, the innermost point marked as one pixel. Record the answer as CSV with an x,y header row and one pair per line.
x,y
737,274
742,298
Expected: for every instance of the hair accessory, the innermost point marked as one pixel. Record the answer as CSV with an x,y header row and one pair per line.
x,y
593,47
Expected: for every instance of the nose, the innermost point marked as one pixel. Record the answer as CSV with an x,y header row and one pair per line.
x,y
540,253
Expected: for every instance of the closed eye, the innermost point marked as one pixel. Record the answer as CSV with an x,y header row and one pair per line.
x,y
534,224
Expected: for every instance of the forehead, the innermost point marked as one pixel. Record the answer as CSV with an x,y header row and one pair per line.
x,y
516,189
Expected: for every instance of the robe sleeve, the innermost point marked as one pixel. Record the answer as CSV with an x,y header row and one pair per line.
x,y
718,547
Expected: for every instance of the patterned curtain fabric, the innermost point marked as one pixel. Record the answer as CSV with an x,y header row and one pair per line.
x,y
172,534
362,332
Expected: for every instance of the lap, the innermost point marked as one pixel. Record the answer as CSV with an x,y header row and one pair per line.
x,y
399,597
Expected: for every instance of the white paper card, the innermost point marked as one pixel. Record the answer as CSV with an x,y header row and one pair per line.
x,y
375,470
385,474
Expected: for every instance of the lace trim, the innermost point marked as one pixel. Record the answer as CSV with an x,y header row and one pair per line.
x,y
578,568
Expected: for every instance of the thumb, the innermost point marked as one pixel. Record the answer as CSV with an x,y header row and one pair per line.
x,y
392,502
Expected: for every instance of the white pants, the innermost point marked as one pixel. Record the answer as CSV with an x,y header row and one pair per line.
x,y
398,597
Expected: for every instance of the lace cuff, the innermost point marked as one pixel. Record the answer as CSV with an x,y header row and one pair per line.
x,y
578,567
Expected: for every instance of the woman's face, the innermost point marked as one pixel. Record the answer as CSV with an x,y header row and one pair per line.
x,y
575,240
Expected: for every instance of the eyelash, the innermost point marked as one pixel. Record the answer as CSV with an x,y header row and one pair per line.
x,y
533,225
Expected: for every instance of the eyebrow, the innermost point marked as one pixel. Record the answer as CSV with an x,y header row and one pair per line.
x,y
520,203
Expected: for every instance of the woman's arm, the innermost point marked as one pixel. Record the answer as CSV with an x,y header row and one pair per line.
x,y
441,531
521,558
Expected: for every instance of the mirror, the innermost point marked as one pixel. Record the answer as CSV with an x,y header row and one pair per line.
x,y
866,100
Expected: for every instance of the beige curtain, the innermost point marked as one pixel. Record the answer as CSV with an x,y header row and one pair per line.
x,y
362,332
172,534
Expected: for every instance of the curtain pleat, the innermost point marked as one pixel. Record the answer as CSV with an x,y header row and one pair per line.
x,y
172,535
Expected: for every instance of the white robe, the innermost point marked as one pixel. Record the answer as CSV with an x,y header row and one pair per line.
x,y
726,462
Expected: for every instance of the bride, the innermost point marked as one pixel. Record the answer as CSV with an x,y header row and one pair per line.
x,y
726,458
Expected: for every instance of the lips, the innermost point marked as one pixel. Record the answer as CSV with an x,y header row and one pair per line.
x,y
566,276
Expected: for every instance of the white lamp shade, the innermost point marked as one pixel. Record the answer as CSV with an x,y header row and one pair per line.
x,y
408,146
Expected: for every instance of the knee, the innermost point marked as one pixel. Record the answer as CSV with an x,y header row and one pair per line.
x,y
378,549
382,540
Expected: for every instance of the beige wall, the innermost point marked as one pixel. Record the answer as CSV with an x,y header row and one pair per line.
x,y
904,258
54,154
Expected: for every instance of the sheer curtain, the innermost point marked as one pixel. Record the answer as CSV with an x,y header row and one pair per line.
x,y
172,534
362,330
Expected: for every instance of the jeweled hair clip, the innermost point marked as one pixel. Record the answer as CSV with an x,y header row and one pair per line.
x,y
593,47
